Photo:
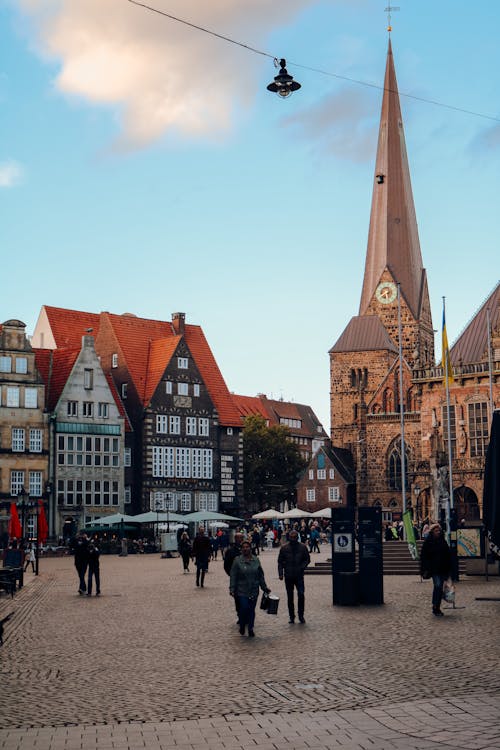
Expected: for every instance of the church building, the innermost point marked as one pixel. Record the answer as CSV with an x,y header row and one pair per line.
x,y
388,350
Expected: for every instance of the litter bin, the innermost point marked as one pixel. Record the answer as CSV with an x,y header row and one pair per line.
x,y
346,589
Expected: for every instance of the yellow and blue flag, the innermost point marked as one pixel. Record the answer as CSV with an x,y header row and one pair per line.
x,y
445,355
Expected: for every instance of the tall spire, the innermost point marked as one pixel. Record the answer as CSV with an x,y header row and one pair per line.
x,y
393,236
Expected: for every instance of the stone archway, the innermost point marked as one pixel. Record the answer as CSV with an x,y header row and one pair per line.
x,y
466,504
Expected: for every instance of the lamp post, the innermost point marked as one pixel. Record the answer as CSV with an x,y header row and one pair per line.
x,y
416,492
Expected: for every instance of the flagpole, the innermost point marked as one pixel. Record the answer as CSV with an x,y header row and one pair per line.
x,y
447,367
401,403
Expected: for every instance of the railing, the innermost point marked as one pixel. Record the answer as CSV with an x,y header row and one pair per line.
x,y
436,373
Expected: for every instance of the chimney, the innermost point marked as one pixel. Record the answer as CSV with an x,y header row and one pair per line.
x,y
178,322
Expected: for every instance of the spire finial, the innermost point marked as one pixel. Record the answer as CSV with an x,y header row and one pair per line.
x,y
389,10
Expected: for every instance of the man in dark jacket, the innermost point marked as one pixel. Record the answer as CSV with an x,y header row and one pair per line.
x,y
80,549
293,559
231,554
202,552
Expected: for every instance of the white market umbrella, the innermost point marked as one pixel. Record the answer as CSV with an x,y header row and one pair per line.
x,y
268,514
151,516
219,524
322,513
201,516
115,518
296,513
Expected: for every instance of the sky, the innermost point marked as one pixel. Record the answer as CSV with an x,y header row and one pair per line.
x,y
145,168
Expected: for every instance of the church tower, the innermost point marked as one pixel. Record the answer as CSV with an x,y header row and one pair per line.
x,y
364,362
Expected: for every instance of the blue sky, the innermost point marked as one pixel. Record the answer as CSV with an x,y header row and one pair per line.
x,y
145,168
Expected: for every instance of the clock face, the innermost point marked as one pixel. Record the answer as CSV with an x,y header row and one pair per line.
x,y
386,292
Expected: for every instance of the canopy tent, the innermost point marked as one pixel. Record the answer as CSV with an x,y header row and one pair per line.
x,y
103,528
322,513
296,513
208,515
115,518
269,515
151,516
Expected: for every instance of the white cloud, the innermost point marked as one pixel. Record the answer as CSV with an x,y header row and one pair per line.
x,y
10,174
161,75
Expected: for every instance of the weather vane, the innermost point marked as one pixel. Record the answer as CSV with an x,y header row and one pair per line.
x,y
389,10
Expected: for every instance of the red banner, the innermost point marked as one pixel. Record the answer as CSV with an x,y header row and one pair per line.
x,y
15,531
43,528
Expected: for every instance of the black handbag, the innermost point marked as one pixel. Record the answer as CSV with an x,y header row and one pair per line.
x,y
264,602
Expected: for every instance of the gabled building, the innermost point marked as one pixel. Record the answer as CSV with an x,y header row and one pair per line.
x,y
329,481
187,447
24,434
88,427
365,370
305,428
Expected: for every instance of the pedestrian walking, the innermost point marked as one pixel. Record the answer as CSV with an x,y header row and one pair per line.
x,y
202,551
30,557
435,562
246,578
314,540
94,569
293,559
81,553
231,554
255,541
185,550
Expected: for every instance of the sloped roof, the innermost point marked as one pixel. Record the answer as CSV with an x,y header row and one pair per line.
x,y
55,366
472,344
342,460
68,326
160,353
393,235
118,402
364,333
249,406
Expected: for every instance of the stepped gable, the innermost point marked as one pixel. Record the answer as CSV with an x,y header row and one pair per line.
x,y
472,344
393,241
364,333
55,367
68,326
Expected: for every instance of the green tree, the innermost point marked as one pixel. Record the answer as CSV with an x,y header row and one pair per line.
x,y
272,464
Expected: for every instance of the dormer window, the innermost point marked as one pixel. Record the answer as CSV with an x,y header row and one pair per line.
x,y
114,360
182,363
88,379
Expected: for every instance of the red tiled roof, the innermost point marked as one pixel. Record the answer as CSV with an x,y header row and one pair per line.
x,y
249,406
364,333
55,366
160,353
68,326
471,346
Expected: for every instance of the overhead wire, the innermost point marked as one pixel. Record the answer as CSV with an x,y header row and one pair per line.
x,y
275,58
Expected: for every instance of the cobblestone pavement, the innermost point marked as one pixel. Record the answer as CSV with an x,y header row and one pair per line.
x,y
157,663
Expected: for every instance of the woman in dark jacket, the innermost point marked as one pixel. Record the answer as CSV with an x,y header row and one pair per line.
x,y
184,548
436,561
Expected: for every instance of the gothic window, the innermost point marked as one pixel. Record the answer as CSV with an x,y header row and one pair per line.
x,y
387,401
478,428
453,430
394,466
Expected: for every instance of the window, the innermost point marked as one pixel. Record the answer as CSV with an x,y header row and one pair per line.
x,y
191,425
333,494
229,430
21,365
162,423
17,439
171,501
5,364
127,495
124,390
16,482
88,379
182,363
331,474
203,426
478,428
72,408
35,483
197,463
175,425
321,473
296,423
311,473
185,500
394,466
36,440
114,360
453,430
87,409
12,396
183,389
127,457
30,398
168,386
184,463
196,389
207,463
310,496
102,410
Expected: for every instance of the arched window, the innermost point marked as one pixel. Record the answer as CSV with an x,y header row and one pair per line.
x,y
394,466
